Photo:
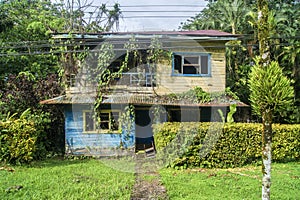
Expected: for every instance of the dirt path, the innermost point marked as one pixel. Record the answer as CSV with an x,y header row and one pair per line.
x,y
147,182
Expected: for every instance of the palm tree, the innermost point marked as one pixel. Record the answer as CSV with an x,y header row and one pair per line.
x,y
83,16
226,15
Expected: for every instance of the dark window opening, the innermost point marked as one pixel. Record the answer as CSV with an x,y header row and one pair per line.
x,y
191,64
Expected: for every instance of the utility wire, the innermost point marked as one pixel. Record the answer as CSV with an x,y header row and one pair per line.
x,y
157,11
154,5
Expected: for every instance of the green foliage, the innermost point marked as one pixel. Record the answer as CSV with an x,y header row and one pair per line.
x,y
127,120
24,91
270,89
222,15
232,110
196,95
77,19
31,25
21,138
229,118
239,144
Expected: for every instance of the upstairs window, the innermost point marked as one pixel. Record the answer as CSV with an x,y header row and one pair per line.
x,y
109,122
191,64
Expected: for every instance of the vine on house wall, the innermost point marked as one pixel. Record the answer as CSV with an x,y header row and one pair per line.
x,y
71,58
159,112
126,121
133,56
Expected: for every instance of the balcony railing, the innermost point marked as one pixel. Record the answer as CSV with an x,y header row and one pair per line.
x,y
129,79
136,79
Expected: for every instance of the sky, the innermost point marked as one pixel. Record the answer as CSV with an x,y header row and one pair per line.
x,y
168,13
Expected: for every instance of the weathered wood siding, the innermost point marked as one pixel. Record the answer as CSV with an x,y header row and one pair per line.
x,y
83,143
166,82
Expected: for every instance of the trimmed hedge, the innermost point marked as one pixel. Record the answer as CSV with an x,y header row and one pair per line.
x,y
197,144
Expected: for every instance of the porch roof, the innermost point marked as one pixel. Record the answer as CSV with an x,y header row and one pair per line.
x,y
138,99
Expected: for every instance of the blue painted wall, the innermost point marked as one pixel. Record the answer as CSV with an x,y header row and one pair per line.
x,y
76,139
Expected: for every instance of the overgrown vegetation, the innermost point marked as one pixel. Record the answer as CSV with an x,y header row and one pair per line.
x,y
239,144
197,95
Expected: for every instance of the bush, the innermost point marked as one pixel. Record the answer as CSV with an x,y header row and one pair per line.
x,y
190,144
23,91
20,139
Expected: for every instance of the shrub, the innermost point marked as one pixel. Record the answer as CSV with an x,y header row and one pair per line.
x,y
23,91
190,144
20,139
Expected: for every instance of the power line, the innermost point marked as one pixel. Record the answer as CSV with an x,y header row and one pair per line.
x,y
157,11
154,5
157,16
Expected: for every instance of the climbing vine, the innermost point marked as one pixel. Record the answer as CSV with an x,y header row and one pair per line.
x,y
126,121
103,76
71,57
158,112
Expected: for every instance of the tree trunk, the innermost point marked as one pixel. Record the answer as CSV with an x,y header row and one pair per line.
x,y
263,32
265,57
266,154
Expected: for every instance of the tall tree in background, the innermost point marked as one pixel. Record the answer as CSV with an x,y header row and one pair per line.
x,y
226,15
84,16
27,36
27,26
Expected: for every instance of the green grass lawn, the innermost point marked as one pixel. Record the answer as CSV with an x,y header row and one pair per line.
x,y
242,183
65,179
91,179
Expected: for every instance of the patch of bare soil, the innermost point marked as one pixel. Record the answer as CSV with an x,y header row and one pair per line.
x,y
148,188
147,182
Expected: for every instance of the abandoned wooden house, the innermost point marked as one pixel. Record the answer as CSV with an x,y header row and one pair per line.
x,y
148,73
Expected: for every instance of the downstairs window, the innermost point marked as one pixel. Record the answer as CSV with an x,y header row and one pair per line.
x,y
109,122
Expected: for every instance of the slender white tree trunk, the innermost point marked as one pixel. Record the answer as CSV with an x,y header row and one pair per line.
x,y
266,155
264,51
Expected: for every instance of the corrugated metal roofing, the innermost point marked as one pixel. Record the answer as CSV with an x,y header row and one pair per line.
x,y
191,33
140,100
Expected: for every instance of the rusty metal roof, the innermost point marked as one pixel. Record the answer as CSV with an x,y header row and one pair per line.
x,y
141,100
191,33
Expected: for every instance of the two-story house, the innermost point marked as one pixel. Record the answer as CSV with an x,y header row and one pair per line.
x,y
159,68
